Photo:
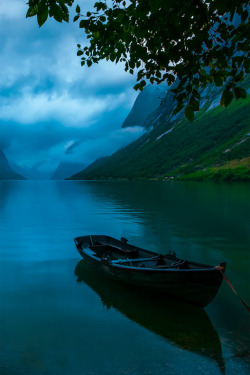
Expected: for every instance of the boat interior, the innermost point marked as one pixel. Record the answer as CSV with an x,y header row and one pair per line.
x,y
134,257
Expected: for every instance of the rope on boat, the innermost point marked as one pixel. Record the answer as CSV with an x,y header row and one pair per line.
x,y
233,289
127,260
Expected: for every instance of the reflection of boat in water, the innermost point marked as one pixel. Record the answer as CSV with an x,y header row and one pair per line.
x,y
181,324
192,282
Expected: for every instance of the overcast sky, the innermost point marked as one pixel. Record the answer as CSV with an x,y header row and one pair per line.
x,y
51,108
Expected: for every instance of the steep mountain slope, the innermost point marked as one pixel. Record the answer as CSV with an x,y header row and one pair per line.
x,y
215,145
6,173
145,103
210,98
96,164
214,139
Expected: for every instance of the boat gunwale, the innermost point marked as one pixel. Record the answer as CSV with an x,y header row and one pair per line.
x,y
143,269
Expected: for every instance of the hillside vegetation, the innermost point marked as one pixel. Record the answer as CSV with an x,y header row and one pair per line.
x,y
215,146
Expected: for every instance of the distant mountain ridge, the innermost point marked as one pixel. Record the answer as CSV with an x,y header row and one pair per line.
x,y
215,145
65,169
6,172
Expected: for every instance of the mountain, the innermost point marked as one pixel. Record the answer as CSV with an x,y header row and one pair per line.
x,y
210,98
92,167
66,169
215,146
146,102
6,172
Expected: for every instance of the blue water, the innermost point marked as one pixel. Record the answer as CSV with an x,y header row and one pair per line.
x,y
57,317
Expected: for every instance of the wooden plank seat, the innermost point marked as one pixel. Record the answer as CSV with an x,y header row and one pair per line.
x,y
111,248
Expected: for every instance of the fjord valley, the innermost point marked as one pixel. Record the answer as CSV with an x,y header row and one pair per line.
x,y
124,187
215,146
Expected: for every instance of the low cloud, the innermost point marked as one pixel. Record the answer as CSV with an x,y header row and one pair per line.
x,y
29,109
91,149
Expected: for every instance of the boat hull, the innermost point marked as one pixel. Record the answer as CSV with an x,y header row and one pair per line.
x,y
195,286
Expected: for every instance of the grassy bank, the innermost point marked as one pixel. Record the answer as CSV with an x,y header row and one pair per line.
x,y
235,170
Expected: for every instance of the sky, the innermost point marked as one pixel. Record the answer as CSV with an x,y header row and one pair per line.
x,y
53,110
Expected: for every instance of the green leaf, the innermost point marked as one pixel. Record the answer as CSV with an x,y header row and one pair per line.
x,y
209,43
57,12
194,103
247,66
96,34
32,11
89,63
79,53
240,92
239,77
83,24
218,79
189,113
78,10
137,86
226,97
76,18
42,17
120,17
100,5
42,12
244,15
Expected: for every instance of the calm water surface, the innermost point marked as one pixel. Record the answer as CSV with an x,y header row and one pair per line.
x,y
58,317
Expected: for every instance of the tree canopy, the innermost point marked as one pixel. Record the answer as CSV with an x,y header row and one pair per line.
x,y
192,42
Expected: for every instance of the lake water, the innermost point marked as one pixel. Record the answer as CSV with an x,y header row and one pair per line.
x,y
58,317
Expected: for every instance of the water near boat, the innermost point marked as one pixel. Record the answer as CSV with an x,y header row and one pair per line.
x,y
58,317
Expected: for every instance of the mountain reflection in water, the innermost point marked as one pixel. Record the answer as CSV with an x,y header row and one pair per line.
x,y
183,325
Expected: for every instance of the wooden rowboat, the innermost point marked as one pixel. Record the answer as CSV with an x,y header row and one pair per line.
x,y
167,274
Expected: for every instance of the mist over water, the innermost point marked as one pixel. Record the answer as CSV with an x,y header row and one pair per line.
x,y
58,317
